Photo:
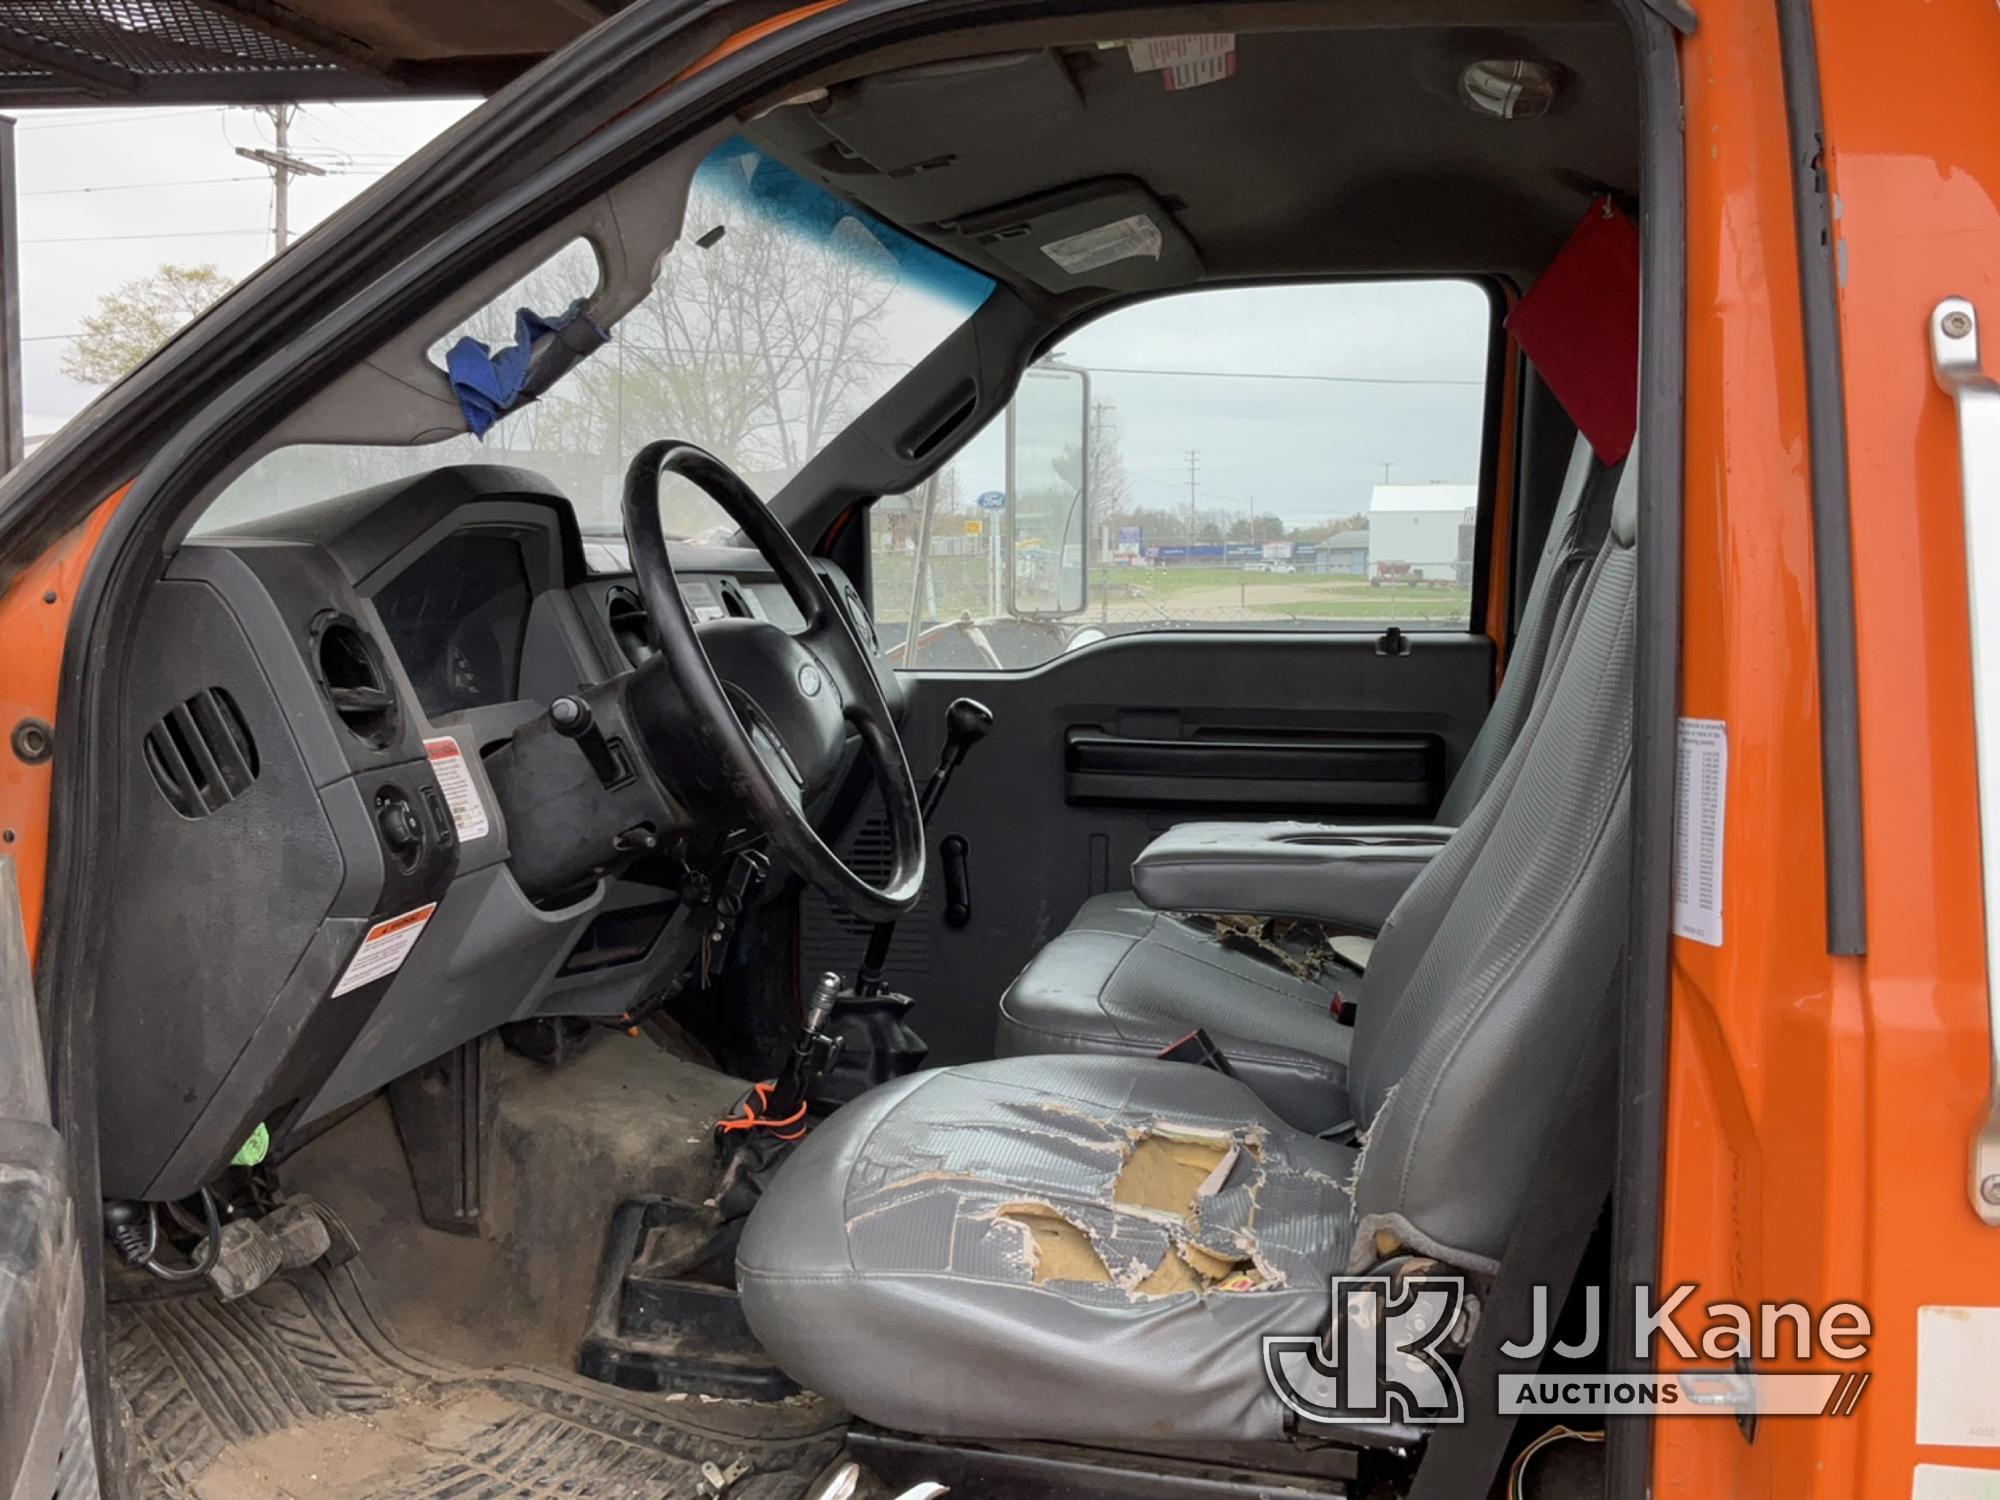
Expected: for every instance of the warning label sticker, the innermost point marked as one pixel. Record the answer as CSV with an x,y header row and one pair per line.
x,y
461,794
1701,787
382,952
1187,61
1120,240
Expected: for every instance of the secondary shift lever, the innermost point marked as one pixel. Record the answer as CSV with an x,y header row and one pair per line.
x,y
877,1044
966,723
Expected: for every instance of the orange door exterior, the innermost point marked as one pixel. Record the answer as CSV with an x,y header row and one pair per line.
x,y
1821,1110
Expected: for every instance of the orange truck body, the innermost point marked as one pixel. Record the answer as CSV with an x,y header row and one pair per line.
x,y
1819,1108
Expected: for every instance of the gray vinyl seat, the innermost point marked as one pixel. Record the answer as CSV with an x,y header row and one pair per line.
x,y
1086,1248
1127,979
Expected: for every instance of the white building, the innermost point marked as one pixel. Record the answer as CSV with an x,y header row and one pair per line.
x,y
1421,532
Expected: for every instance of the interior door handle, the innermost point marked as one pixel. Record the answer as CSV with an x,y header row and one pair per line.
x,y
1954,335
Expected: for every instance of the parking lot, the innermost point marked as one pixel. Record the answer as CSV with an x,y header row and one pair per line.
x,y
1217,594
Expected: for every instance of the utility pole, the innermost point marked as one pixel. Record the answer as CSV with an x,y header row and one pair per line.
x,y
1194,468
284,166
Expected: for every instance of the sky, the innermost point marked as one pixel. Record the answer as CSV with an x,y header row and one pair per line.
x,y
1258,383
107,196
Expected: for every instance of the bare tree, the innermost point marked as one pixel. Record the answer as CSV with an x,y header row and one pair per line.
x,y
1110,484
755,343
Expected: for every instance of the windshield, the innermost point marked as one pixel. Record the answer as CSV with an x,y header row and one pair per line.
x,y
778,318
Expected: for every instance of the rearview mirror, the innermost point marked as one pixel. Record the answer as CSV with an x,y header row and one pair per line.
x,y
1048,492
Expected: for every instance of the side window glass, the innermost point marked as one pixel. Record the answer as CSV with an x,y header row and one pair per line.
x,y
1299,457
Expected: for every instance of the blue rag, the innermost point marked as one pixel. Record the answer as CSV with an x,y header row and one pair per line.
x,y
489,383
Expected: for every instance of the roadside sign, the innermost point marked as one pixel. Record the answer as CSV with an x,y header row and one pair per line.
x,y
993,500
974,526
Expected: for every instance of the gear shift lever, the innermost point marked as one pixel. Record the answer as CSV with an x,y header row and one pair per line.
x,y
877,1044
966,723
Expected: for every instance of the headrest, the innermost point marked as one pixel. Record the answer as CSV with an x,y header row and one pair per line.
x,y
1579,325
1625,504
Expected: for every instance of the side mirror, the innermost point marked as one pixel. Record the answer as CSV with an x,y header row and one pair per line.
x,y
1048,492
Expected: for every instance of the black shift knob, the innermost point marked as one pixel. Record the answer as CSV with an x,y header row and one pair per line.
x,y
966,723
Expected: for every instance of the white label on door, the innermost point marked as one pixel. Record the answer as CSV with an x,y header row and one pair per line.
x,y
1958,1399
1701,787
461,793
1950,1482
382,952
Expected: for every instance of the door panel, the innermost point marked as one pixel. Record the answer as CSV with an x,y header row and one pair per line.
x,y
41,1286
1246,726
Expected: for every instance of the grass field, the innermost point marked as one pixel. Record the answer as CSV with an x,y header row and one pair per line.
x,y
1214,595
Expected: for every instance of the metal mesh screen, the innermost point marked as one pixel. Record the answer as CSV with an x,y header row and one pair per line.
x,y
152,37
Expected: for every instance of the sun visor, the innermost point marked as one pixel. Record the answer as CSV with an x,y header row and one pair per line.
x,y
1111,233
925,118
1579,326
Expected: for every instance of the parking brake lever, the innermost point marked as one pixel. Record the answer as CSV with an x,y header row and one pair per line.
x,y
966,723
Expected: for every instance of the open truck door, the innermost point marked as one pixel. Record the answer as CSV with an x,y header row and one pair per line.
x,y
44,1418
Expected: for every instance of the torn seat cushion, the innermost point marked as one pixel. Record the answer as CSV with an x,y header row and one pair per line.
x,y
1075,1248
1124,979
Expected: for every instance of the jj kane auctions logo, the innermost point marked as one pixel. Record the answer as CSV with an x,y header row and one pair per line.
x,y
1389,1349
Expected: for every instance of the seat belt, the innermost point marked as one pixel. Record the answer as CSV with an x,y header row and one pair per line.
x,y
1552,1227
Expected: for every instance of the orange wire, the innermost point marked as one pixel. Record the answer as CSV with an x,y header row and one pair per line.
x,y
752,1120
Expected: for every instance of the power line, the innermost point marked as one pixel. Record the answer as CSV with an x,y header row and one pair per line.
x,y
129,116
1276,375
131,187
374,130
184,234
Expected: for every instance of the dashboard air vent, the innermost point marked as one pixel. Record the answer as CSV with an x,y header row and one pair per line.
x,y
201,754
631,626
355,681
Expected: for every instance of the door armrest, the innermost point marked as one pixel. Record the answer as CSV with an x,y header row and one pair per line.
x,y
1347,877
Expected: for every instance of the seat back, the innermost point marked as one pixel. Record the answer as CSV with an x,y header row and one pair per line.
x,y
1509,940
1575,532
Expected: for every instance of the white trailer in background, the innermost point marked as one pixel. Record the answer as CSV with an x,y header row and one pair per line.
x,y
1421,533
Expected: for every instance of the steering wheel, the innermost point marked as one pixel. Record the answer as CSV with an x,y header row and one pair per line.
x,y
764,713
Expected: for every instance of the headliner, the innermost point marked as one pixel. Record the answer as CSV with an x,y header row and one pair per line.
x,y
1328,152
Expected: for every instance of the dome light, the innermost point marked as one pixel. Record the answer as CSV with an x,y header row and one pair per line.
x,y
1508,88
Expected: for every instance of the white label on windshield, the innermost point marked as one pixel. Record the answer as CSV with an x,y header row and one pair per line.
x,y
1122,240
1149,54
1192,75
1701,787
1187,61
468,813
382,952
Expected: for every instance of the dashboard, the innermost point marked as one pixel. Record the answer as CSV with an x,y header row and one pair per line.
x,y
457,619
309,724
